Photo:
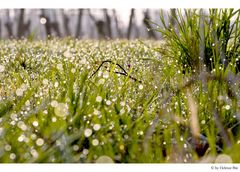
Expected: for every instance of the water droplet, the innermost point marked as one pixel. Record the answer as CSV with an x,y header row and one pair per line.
x,y
54,119
227,107
54,103
34,153
19,92
122,103
203,122
96,112
105,75
96,127
56,84
67,54
140,87
45,82
104,159
99,99
95,142
7,147
121,147
35,123
12,156
60,66
108,102
21,138
2,68
43,20
85,151
39,142
73,70
87,132
223,158
101,81
75,147
61,110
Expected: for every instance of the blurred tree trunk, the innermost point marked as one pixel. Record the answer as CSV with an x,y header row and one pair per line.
x,y
108,23
66,23
0,29
49,26
22,27
9,25
173,18
79,23
146,20
119,33
130,25
100,25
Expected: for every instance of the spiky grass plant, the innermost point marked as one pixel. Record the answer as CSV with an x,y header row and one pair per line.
x,y
198,37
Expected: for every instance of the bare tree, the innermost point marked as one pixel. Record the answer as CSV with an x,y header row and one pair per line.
x,y
79,23
130,25
22,26
100,25
119,33
50,26
108,23
66,23
0,29
146,21
9,25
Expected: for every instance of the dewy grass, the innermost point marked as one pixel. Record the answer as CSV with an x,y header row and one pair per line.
x,y
202,37
55,107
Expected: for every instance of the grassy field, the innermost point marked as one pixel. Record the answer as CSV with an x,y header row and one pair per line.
x,y
64,100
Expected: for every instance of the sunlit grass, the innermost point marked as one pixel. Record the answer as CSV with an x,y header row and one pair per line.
x,y
57,107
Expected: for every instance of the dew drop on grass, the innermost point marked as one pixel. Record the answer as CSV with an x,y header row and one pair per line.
x,y
35,123
56,84
61,110
85,151
45,82
96,127
54,103
108,102
87,132
96,112
34,153
1,131
39,142
27,103
60,66
19,92
101,81
105,75
67,54
2,68
140,87
54,119
95,142
7,147
223,158
99,99
227,107
21,138
12,156
73,70
104,159
122,103
75,147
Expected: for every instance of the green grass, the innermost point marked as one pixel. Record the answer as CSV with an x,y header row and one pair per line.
x,y
57,105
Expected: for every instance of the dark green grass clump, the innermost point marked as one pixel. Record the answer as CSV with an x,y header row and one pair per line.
x,y
111,101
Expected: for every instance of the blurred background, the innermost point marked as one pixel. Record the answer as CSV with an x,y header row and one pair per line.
x,y
79,23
